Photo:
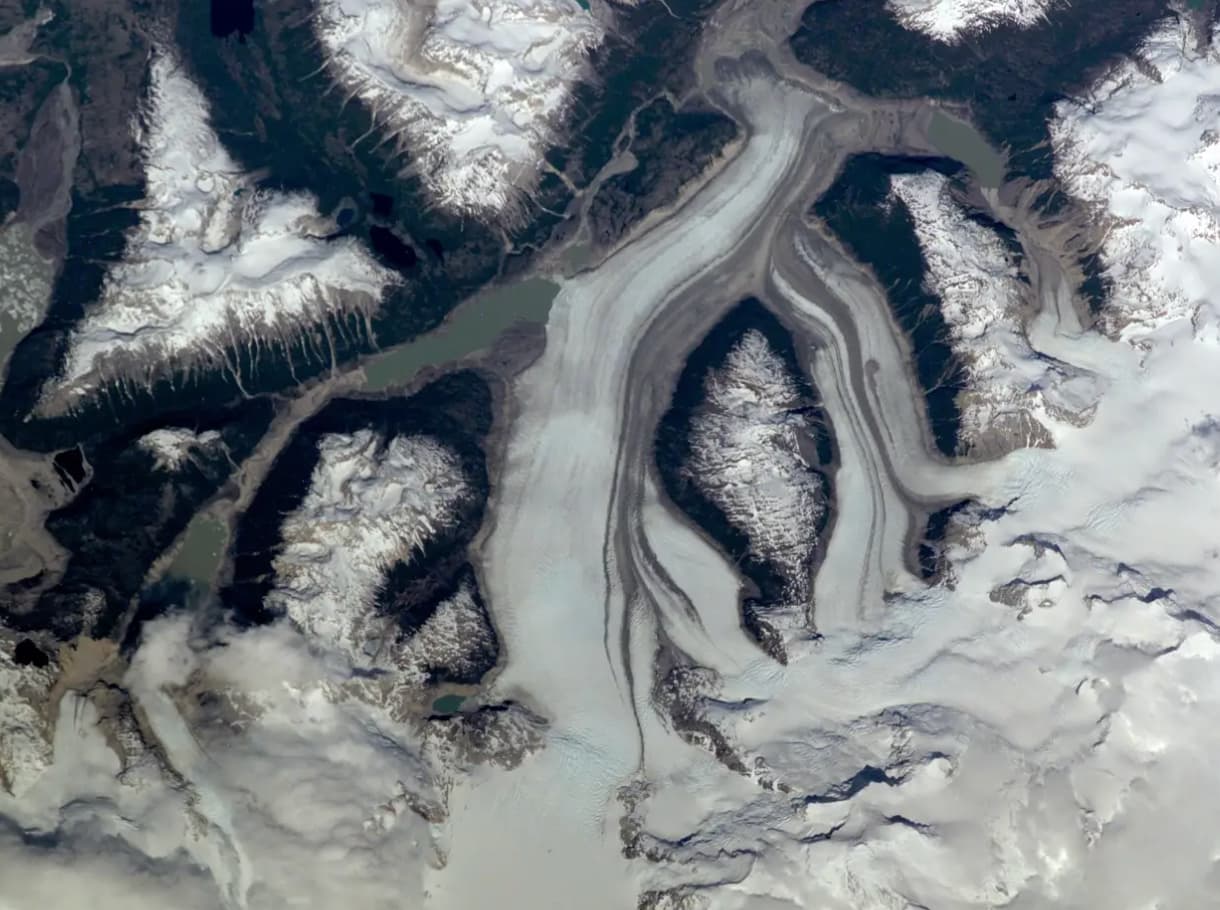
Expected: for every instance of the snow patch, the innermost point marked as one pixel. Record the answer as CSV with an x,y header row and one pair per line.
x,y
476,88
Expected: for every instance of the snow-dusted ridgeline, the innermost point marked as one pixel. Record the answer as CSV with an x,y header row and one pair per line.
x,y
1037,733
1143,147
456,637
214,263
473,90
950,20
172,447
372,502
976,278
746,458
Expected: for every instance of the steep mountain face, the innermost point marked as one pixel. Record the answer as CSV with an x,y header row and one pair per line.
x,y
1009,389
375,502
1007,68
744,450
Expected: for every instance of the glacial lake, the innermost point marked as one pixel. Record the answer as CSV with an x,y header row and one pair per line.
x,y
471,327
199,554
962,142
448,704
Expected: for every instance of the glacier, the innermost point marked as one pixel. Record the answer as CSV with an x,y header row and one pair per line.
x,y
1032,727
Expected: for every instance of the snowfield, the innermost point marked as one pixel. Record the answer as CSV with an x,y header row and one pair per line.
x,y
214,265
950,20
1032,728
475,89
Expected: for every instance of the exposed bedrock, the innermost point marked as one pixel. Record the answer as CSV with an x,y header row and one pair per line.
x,y
628,586
1008,76
958,283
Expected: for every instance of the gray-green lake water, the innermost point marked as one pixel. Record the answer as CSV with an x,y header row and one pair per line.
x,y
199,554
961,141
472,327
448,704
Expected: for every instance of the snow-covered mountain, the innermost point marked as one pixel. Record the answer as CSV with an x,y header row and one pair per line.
x,y
372,502
472,89
215,264
1033,730
747,458
950,20
1032,727
172,447
986,308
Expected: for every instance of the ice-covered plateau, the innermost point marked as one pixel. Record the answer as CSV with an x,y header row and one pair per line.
x,y
746,458
214,265
951,20
473,91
